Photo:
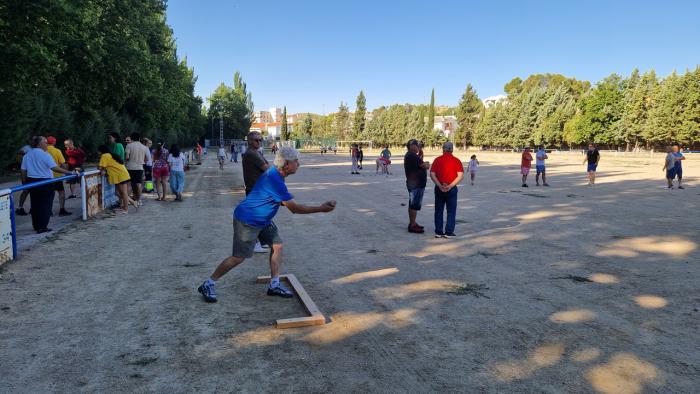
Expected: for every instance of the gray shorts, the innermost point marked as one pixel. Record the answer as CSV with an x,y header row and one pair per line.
x,y
244,237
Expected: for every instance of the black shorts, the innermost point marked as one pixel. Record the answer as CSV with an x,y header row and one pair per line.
x,y
58,186
73,181
136,177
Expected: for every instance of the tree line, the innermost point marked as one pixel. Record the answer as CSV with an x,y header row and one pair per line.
x,y
82,69
639,111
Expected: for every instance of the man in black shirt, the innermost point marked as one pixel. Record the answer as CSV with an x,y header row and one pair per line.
x,y
416,178
592,157
254,164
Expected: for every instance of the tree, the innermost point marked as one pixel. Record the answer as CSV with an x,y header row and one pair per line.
x,y
431,111
235,104
342,122
468,112
284,132
307,126
360,112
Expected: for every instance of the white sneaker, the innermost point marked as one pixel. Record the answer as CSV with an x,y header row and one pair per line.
x,y
259,248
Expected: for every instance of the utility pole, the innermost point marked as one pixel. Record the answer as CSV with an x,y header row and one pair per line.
x,y
221,131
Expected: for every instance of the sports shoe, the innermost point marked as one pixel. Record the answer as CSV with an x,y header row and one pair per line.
x,y
681,187
415,229
208,291
21,212
258,248
439,235
450,235
524,184
279,291
63,212
545,184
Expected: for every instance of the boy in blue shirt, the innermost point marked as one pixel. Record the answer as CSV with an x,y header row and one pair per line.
x,y
252,220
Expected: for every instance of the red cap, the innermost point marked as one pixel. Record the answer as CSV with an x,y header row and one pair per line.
x,y
51,140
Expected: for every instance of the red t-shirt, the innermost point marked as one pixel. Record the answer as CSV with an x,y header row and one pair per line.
x,y
527,159
446,168
75,157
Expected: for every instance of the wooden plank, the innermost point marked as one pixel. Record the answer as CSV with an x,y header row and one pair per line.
x,y
309,304
316,318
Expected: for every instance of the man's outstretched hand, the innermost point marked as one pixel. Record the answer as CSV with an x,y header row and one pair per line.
x,y
328,206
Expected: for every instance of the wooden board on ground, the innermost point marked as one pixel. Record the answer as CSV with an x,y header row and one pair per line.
x,y
316,317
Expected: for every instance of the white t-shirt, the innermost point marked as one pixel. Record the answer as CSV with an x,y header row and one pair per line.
x,y
222,152
176,163
540,158
473,165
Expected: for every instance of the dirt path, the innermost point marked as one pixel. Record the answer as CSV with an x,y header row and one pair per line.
x,y
568,289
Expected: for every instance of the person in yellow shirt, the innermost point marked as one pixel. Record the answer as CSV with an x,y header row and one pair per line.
x,y
58,186
117,175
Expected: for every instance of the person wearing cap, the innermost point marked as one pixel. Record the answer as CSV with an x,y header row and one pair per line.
x,y
58,158
447,172
37,165
416,179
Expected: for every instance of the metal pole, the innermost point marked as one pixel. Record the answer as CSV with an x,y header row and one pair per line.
x,y
13,227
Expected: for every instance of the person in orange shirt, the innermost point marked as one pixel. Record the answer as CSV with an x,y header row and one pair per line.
x,y
447,172
525,164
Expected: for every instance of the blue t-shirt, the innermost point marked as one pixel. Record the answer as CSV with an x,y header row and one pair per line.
x,y
677,155
261,205
38,164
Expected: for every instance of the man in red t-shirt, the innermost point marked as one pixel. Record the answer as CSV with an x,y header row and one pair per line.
x,y
75,157
447,172
525,164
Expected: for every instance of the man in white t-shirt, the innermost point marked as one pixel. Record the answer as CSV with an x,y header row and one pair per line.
x,y
221,155
136,156
540,157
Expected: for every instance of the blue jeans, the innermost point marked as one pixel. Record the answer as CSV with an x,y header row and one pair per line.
x,y
177,181
442,199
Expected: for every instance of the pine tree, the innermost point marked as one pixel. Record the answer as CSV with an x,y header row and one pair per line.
x,y
284,132
468,112
308,125
431,111
360,111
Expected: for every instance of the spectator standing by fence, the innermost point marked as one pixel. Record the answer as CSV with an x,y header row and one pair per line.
x,y
136,156
75,157
117,175
176,161
38,165
115,145
58,158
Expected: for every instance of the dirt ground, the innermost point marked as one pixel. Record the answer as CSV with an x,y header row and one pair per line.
x,y
567,289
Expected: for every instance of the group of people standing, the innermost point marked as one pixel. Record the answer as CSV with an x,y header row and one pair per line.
x,y
125,165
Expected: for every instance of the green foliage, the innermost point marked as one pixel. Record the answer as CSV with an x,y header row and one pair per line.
x,y
284,132
360,112
307,126
235,105
468,112
83,69
431,111
342,122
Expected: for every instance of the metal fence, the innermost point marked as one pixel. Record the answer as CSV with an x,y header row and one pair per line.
x,y
97,194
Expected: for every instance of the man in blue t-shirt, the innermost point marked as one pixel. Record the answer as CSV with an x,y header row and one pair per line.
x,y
252,220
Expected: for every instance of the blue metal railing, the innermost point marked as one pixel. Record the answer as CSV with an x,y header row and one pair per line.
x,y
27,186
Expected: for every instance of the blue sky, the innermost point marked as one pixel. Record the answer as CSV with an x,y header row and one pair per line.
x,y
310,55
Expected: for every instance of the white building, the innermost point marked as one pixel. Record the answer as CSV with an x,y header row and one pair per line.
x,y
276,114
446,124
493,100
